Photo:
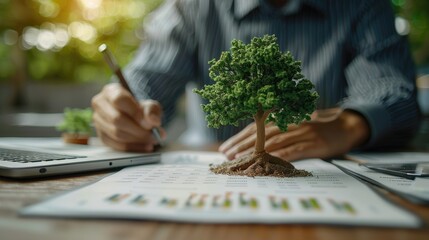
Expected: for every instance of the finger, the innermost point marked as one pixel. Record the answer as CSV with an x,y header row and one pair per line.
x,y
297,151
114,121
109,104
97,130
243,140
123,101
325,115
243,134
123,129
292,127
152,113
163,133
291,137
246,152
271,130
246,145
128,147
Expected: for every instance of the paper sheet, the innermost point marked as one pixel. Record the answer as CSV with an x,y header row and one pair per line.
x,y
182,188
421,185
390,157
416,190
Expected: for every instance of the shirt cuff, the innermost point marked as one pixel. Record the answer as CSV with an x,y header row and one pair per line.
x,y
377,117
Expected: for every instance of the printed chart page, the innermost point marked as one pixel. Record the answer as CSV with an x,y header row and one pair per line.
x,y
182,188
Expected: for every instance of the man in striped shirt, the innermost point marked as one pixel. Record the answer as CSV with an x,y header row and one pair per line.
x,y
350,50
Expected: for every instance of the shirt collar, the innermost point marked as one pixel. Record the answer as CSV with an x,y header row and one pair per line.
x,y
244,7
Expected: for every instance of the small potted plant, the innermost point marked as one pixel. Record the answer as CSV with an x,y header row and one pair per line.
x,y
76,126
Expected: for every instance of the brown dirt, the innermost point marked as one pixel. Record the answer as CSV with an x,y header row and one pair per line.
x,y
259,164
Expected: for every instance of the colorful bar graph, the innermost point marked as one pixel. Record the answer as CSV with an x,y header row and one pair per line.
x,y
342,206
188,202
200,201
168,202
349,208
310,204
315,204
222,201
279,204
116,198
139,200
250,202
225,201
215,201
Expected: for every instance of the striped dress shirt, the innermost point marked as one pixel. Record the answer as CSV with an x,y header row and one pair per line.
x,y
350,50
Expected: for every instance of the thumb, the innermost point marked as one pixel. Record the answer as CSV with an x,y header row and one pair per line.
x,y
152,114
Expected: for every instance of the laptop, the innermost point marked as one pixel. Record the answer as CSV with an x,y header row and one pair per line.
x,y
40,157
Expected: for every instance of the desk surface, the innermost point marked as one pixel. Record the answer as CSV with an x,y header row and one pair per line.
x,y
14,195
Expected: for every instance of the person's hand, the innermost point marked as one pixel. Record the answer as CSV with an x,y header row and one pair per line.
x,y
123,123
322,137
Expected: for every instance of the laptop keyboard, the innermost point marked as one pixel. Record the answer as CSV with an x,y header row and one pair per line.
x,y
12,155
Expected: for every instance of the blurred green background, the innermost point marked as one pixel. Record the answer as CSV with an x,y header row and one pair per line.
x,y
55,41
413,20
40,36
49,59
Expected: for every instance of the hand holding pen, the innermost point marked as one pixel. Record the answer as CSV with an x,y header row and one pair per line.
x,y
121,121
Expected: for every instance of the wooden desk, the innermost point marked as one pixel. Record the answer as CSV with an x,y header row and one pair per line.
x,y
14,195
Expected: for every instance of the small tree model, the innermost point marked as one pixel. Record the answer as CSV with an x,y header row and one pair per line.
x,y
258,80
76,126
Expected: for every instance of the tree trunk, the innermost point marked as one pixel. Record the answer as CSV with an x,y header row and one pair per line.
x,y
260,117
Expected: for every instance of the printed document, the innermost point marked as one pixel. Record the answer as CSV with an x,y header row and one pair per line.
x,y
182,188
416,190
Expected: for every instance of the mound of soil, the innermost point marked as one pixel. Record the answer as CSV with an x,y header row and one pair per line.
x,y
259,164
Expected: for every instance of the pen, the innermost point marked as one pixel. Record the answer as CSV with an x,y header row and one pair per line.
x,y
108,57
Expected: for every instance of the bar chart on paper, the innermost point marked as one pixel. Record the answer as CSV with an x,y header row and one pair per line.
x,y
183,189
229,201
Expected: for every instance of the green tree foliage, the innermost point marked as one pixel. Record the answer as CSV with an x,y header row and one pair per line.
x,y
257,80
257,77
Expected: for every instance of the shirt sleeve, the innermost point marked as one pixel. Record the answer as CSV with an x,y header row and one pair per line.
x,y
381,78
165,61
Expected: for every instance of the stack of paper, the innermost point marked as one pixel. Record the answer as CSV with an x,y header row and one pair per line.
x,y
415,190
183,189
389,157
